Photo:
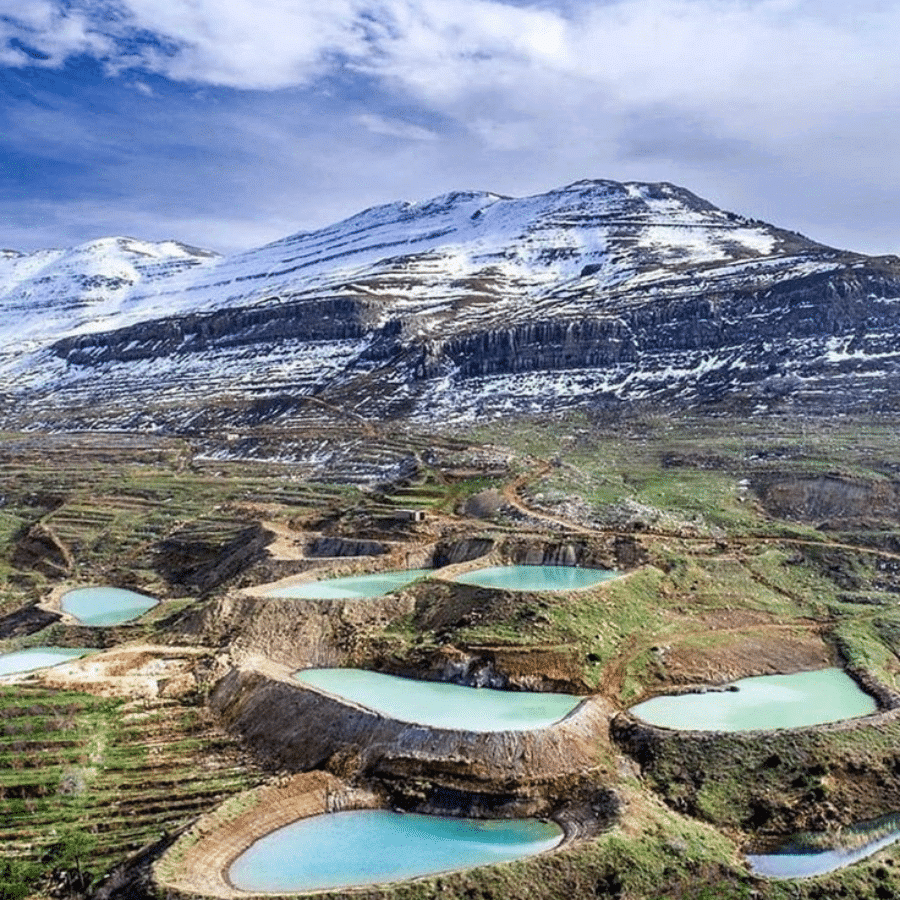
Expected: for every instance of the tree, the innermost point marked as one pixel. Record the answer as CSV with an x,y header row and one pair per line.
x,y
71,852
17,877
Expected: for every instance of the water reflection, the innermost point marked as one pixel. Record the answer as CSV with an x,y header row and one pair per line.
x,y
817,853
353,587
763,702
536,578
106,605
38,658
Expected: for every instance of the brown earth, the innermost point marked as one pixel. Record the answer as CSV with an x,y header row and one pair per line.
x,y
143,670
725,652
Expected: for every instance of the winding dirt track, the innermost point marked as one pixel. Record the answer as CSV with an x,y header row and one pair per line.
x,y
616,670
512,495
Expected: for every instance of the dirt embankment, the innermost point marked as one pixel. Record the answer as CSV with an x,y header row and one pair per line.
x,y
134,670
315,633
715,649
292,633
297,728
198,862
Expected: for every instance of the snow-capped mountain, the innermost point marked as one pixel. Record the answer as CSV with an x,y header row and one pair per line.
x,y
469,304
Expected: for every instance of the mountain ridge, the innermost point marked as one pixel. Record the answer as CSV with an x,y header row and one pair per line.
x,y
465,305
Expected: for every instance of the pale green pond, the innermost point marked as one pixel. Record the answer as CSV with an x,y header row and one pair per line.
x,y
437,704
38,658
106,605
375,846
763,702
353,587
536,578
816,854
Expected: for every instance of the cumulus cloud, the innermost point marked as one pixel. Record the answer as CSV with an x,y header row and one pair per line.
x,y
796,94
44,32
785,59
247,44
773,71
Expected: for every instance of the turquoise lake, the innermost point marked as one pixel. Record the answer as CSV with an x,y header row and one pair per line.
x,y
353,587
806,856
763,702
374,846
536,578
436,704
38,658
106,605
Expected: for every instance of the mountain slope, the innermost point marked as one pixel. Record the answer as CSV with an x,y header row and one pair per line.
x,y
465,305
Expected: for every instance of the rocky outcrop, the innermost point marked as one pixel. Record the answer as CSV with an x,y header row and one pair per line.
x,y
200,560
41,549
28,620
831,500
293,633
327,319
755,323
328,547
591,552
448,553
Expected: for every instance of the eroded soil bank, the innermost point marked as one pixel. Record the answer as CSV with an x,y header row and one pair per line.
x,y
296,728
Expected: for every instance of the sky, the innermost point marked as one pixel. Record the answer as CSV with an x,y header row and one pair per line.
x,y
229,123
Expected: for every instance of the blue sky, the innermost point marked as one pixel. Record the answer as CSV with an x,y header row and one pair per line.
x,y
228,123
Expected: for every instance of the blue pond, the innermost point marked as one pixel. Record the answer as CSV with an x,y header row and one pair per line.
x,y
437,704
763,702
353,587
106,605
813,854
536,578
374,846
38,658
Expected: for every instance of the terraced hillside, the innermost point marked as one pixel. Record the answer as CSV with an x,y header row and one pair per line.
x,y
744,548
88,781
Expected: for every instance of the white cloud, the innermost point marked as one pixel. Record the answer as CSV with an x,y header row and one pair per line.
x,y
396,128
42,32
782,58
248,44
799,95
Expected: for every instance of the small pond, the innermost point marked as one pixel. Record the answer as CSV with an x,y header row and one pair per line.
x,y
106,605
374,846
353,587
536,578
38,658
437,704
816,854
763,702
